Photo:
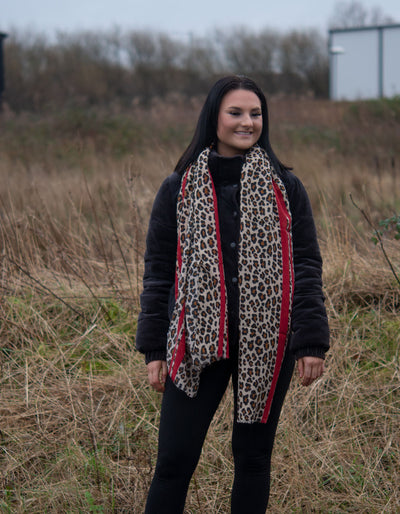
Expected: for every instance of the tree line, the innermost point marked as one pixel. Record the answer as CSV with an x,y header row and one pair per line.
x,y
104,68
94,68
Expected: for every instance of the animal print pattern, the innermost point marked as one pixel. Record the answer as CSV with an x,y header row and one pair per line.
x,y
198,334
261,282
198,330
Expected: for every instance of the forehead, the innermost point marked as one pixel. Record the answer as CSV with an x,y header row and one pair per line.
x,y
241,98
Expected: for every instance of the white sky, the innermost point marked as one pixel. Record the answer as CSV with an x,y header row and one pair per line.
x,y
175,17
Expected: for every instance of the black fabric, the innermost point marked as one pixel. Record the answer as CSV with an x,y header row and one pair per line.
x,y
226,173
310,333
181,439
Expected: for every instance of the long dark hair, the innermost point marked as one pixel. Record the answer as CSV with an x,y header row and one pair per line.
x,y
206,129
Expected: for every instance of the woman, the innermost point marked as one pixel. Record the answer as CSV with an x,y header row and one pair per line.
x,y
232,287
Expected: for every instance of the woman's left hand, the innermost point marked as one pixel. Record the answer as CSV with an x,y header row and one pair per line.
x,y
310,368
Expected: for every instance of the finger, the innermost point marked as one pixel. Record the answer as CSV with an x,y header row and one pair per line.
x,y
305,371
156,384
154,375
311,374
317,371
159,387
164,372
300,367
307,374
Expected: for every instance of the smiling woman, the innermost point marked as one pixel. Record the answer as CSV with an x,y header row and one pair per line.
x,y
239,122
232,289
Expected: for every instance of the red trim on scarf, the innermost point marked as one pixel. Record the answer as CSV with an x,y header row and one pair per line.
x,y
179,266
180,345
287,267
222,280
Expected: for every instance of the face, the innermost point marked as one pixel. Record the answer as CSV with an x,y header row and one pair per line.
x,y
239,122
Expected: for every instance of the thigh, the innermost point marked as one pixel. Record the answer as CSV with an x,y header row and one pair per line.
x,y
184,421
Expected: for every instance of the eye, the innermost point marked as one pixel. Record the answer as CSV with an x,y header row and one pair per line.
x,y
256,114
234,113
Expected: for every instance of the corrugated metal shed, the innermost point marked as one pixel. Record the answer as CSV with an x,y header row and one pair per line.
x,y
364,62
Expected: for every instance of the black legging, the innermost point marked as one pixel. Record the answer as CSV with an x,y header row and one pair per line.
x,y
183,426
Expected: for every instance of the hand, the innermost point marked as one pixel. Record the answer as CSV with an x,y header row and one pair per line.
x,y
157,373
310,368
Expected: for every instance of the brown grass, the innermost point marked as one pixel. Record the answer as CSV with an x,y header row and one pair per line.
x,y
78,426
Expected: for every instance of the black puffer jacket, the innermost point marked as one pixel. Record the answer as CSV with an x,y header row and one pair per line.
x,y
310,332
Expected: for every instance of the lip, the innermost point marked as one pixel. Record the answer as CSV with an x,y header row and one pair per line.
x,y
243,133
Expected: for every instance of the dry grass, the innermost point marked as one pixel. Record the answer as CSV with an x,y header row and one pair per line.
x,y
78,426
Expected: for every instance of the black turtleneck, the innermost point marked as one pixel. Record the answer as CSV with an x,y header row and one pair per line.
x,y
226,172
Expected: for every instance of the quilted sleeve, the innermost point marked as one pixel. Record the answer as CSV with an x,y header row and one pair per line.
x,y
310,330
159,273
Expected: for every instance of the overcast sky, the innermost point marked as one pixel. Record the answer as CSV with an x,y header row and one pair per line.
x,y
175,17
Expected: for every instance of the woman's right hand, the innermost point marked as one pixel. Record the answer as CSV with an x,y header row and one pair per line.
x,y
157,373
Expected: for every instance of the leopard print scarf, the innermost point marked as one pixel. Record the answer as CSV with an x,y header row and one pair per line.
x,y
198,333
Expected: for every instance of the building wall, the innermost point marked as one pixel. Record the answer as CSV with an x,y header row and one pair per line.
x,y
391,63
364,63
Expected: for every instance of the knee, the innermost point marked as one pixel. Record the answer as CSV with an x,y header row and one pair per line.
x,y
253,444
175,465
252,463
251,454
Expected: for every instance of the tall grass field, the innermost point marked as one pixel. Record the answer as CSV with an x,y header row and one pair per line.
x,y
78,421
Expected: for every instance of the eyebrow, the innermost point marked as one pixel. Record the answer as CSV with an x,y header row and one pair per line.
x,y
258,108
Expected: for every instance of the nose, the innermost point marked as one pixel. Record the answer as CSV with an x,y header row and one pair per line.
x,y
247,120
